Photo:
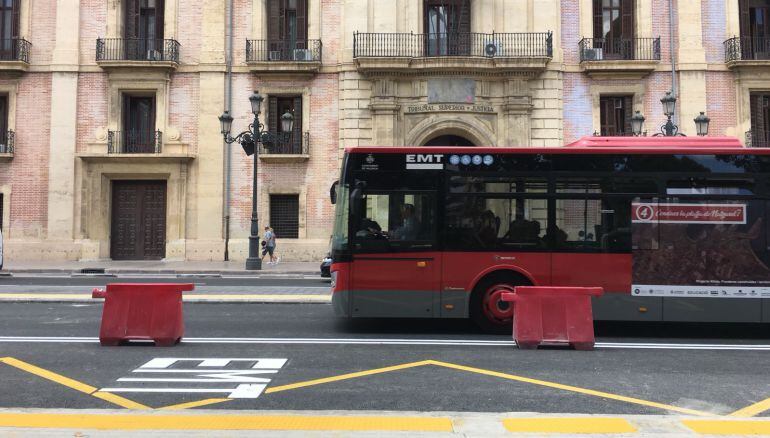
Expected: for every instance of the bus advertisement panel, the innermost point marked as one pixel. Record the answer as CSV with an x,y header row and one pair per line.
x,y
701,249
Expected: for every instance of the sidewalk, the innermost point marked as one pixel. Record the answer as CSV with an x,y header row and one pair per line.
x,y
157,267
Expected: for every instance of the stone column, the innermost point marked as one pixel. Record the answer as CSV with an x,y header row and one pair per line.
x,y
64,92
517,110
385,108
692,66
205,197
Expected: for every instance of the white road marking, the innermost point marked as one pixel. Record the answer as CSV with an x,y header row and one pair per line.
x,y
387,341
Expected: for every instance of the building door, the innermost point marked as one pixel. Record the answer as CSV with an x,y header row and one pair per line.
x,y
449,140
144,30
755,29
9,28
138,124
447,27
614,28
138,220
287,30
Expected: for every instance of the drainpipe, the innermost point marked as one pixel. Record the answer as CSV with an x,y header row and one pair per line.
x,y
228,107
674,90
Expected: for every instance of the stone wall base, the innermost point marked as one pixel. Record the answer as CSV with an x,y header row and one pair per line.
x,y
290,250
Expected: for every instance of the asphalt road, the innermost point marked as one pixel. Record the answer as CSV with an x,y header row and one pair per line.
x,y
438,365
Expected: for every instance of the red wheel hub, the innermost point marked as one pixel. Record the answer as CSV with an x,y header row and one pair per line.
x,y
495,309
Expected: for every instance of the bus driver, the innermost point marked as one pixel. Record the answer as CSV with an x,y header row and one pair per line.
x,y
409,228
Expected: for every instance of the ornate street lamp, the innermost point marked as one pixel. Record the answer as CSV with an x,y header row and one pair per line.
x,y
702,124
637,123
669,105
248,140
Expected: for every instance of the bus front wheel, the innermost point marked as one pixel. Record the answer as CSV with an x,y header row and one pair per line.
x,y
488,310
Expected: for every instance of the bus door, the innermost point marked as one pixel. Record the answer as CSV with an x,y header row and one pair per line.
x,y
396,270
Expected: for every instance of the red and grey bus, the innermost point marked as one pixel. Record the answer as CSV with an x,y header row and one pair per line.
x,y
673,229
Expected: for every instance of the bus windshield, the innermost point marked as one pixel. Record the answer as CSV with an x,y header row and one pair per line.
x,y
340,232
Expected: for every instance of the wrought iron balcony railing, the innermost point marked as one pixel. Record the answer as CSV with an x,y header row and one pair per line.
x,y
6,142
623,49
283,50
137,49
426,45
14,49
134,142
757,139
287,145
747,49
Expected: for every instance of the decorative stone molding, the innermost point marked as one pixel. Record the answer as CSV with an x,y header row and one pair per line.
x,y
621,69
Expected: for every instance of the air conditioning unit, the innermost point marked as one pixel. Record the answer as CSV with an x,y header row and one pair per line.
x,y
593,54
154,55
493,48
302,55
274,55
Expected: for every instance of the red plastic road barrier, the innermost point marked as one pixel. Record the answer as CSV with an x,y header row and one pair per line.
x,y
142,311
553,316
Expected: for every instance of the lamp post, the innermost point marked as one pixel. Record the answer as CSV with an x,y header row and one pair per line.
x,y
669,129
249,140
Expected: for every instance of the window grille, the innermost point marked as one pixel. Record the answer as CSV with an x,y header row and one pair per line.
x,y
284,216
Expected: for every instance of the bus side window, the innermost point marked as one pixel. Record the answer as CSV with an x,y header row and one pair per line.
x,y
396,221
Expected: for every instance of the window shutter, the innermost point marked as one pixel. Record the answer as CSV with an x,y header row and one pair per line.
x,y
301,23
745,19
272,114
273,26
758,134
628,106
297,133
160,8
464,25
598,26
627,18
15,33
132,19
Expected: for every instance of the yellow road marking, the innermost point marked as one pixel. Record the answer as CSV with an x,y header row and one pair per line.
x,y
73,384
226,422
752,410
195,404
346,376
192,297
568,425
571,388
729,427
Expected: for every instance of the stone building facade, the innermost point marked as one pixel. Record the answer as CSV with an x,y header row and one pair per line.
x,y
110,145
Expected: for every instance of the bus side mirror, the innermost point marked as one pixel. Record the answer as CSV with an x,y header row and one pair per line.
x,y
357,196
333,192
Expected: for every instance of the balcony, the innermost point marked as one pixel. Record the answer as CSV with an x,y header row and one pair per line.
x,y
286,150
452,52
134,52
6,145
619,58
272,56
136,146
14,55
757,139
747,52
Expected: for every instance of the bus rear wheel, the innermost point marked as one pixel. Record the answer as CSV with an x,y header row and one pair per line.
x,y
488,310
